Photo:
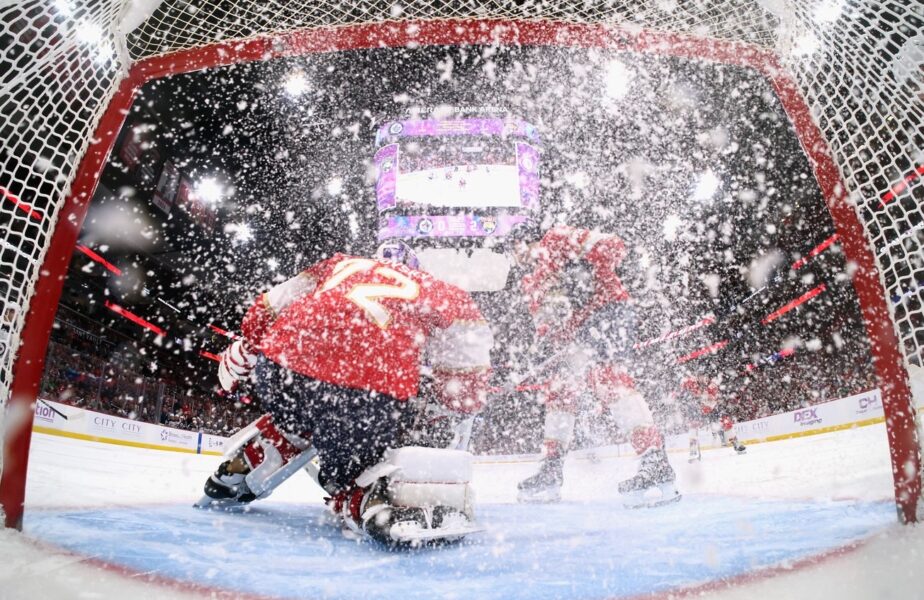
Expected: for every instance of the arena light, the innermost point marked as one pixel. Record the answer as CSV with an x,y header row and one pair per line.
x,y
134,318
794,304
711,349
814,252
707,184
618,79
209,190
99,259
23,206
295,84
210,356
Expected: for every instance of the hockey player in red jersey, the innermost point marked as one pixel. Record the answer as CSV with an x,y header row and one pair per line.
x,y
334,355
699,399
581,308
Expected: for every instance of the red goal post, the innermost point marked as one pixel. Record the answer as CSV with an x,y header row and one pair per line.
x,y
81,81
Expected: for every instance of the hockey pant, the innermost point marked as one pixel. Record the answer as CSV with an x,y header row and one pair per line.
x,y
351,429
610,387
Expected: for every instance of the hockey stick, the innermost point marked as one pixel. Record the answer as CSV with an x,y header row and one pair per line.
x,y
55,410
512,385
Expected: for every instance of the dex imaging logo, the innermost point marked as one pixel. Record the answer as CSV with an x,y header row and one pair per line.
x,y
806,417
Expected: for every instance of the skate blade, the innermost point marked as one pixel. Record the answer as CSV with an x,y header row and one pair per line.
x,y
414,534
540,497
655,503
225,505
669,495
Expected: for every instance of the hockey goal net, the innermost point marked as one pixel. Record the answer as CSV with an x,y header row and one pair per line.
x,y
849,72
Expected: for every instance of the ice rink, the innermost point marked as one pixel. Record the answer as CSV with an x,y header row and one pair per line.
x,y
811,517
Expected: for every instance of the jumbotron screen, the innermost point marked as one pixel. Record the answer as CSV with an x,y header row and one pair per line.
x,y
431,164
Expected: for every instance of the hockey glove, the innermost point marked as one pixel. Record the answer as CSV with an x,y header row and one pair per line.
x,y
237,361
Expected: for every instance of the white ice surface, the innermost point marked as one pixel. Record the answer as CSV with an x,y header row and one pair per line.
x,y
849,464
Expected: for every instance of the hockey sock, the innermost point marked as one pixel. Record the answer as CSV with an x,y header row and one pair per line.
x,y
646,437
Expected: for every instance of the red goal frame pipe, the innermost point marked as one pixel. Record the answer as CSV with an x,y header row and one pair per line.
x,y
888,363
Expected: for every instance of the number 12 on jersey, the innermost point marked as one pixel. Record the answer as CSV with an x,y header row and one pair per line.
x,y
367,296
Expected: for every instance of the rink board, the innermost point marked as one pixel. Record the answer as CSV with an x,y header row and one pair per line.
x,y
569,550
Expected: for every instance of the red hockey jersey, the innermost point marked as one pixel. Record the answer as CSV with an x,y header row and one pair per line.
x,y
562,246
702,390
369,324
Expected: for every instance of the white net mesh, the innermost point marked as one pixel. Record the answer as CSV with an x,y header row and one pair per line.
x,y
858,63
57,73
176,25
860,66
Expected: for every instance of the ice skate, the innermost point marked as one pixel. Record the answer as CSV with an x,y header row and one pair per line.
x,y
544,486
226,488
404,506
738,446
654,473
695,453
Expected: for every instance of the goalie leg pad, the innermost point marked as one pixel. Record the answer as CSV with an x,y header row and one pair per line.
x,y
425,477
270,455
415,496
273,457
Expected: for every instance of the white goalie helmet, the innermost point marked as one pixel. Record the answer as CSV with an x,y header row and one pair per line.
x,y
399,252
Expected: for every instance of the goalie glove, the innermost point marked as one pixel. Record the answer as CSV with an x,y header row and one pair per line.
x,y
237,361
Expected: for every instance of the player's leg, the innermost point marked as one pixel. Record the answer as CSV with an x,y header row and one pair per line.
x,y
610,333
695,453
613,386
397,495
719,433
352,430
728,426
654,471
558,432
268,451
